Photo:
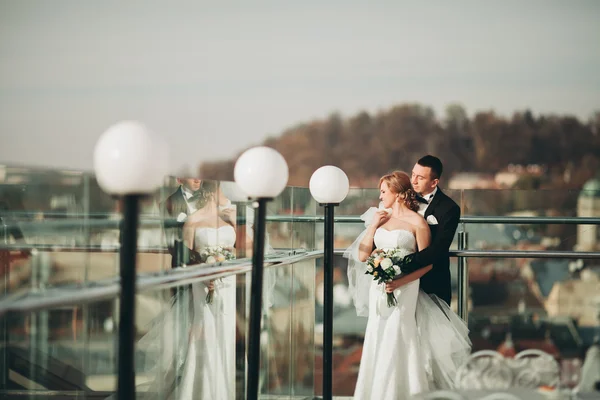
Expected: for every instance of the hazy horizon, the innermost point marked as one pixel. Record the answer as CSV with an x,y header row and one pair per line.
x,y
217,78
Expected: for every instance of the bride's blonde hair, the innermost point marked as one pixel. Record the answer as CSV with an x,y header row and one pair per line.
x,y
399,183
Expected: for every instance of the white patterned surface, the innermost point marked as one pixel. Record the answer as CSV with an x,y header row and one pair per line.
x,y
490,370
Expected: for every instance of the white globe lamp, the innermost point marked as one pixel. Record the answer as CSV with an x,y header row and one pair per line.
x,y
130,159
329,185
261,172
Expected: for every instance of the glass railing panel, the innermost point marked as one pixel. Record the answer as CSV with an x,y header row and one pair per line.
x,y
43,267
524,303
303,349
279,233
304,232
187,345
288,339
532,204
285,226
64,348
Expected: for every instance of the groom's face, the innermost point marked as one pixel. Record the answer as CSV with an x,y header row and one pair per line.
x,y
190,183
422,181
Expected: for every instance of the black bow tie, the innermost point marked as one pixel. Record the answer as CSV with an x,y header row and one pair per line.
x,y
193,198
423,200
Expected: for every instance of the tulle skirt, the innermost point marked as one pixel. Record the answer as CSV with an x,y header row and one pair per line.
x,y
444,340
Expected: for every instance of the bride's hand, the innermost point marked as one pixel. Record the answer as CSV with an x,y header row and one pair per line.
x,y
376,251
393,285
380,218
228,215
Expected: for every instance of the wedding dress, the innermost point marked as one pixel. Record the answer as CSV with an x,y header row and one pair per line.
x,y
413,347
193,343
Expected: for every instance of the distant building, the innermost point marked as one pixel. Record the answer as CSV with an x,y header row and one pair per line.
x,y
508,177
588,205
577,299
471,180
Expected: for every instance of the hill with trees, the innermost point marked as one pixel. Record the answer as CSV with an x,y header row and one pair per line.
x,y
367,146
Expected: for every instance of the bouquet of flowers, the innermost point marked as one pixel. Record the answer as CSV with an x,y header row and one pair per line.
x,y
211,255
383,264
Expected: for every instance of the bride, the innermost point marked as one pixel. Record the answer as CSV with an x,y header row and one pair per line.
x,y
195,338
416,345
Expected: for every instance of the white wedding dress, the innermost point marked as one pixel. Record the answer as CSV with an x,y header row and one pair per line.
x,y
195,340
409,348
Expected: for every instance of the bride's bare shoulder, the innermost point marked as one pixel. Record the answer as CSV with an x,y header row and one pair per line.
x,y
417,220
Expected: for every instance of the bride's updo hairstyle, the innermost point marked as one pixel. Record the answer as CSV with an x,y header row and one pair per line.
x,y
206,193
399,182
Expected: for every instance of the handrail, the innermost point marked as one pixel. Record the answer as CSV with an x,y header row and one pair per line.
x,y
516,254
173,223
525,254
51,224
469,219
103,290
77,248
475,219
75,294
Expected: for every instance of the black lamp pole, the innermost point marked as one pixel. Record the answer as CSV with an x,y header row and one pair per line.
x,y
127,267
241,290
258,256
328,250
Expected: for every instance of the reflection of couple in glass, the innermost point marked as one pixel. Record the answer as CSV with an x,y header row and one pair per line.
x,y
205,209
199,361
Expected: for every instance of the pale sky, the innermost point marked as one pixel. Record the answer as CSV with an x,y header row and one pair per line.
x,y
217,77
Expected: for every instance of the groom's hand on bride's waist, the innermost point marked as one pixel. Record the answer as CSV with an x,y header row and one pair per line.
x,y
408,264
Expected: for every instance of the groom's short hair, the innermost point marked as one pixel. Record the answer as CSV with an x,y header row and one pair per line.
x,y
434,163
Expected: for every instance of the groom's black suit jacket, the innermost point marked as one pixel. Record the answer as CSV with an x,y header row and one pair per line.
x,y
180,253
437,281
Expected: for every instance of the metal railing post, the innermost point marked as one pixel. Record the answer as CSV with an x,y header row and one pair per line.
x,y
463,278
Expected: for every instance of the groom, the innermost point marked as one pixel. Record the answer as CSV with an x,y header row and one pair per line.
x,y
178,205
442,215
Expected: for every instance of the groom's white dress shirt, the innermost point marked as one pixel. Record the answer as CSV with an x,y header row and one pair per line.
x,y
186,195
428,197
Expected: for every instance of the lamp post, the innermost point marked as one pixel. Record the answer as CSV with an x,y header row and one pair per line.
x,y
262,174
129,162
329,186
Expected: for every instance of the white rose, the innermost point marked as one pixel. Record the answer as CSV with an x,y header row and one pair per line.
x,y
211,260
386,263
397,270
369,268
